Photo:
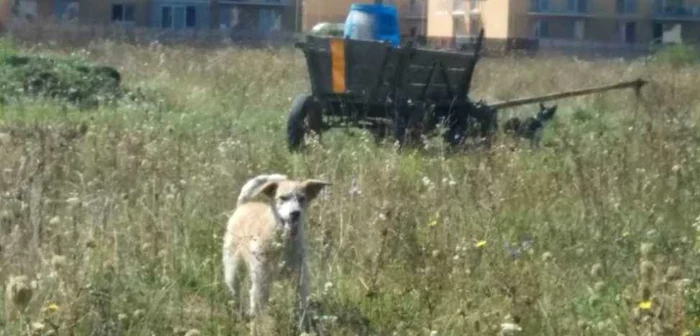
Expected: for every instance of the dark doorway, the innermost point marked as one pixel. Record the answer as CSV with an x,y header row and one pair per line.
x,y
657,32
630,32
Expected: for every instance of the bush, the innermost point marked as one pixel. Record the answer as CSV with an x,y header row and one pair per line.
x,y
677,55
66,80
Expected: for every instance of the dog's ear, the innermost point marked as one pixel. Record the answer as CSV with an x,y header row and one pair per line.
x,y
268,189
313,187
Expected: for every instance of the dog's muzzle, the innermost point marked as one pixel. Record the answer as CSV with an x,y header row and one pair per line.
x,y
292,224
294,216
291,229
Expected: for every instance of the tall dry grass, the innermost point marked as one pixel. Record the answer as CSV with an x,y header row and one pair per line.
x,y
119,231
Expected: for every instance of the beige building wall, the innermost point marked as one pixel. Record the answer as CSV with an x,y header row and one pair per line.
x,y
513,19
495,15
440,22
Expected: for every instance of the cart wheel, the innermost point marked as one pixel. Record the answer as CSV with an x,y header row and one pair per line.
x,y
406,127
456,126
305,114
399,128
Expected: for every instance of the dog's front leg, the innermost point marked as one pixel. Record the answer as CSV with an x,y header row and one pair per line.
x,y
304,286
260,287
303,293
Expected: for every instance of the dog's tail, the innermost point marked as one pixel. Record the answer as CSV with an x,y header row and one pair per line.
x,y
249,189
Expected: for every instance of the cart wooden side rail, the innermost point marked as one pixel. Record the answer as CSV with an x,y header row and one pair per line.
x,y
372,71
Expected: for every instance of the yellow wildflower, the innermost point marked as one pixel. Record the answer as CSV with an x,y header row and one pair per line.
x,y
480,243
50,308
645,305
432,223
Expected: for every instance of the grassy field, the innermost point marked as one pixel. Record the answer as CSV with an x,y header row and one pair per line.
x,y
119,231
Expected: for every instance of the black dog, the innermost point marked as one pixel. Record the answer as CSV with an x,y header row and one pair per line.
x,y
530,128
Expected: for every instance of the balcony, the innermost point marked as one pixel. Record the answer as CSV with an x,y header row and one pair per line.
x,y
464,38
466,7
459,8
569,9
256,2
561,13
677,13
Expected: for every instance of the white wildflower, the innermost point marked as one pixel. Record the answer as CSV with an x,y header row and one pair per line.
x,y
193,332
510,327
73,201
354,189
327,287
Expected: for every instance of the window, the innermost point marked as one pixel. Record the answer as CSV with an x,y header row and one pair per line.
x,y
668,6
178,17
459,26
123,12
579,29
628,32
541,29
578,6
270,20
166,17
190,17
474,27
539,5
626,6
473,4
659,6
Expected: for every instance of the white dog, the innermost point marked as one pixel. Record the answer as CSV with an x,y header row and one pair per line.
x,y
268,237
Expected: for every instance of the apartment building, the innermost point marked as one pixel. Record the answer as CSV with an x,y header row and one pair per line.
x,y
412,13
24,10
259,16
582,21
256,16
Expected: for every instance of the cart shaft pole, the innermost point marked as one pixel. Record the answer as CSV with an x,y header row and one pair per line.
x,y
636,84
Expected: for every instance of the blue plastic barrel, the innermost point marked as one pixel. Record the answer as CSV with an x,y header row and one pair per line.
x,y
372,22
